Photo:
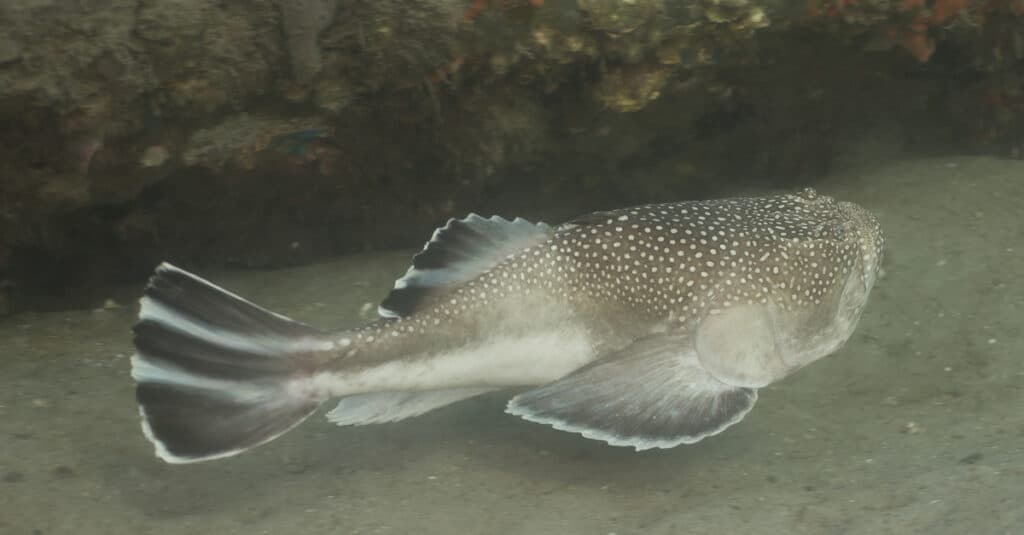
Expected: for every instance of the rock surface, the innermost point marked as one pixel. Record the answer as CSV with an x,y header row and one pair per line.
x,y
264,132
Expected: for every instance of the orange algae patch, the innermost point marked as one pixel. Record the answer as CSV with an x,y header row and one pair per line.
x,y
919,45
479,6
944,10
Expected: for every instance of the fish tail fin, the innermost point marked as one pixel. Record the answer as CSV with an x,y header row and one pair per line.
x,y
215,374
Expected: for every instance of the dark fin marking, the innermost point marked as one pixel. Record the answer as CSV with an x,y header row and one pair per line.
x,y
649,395
215,374
385,407
458,252
192,297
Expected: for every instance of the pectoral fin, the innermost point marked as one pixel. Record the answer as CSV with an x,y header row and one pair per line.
x,y
652,394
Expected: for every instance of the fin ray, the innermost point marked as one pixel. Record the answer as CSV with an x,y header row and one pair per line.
x,y
215,374
457,252
653,394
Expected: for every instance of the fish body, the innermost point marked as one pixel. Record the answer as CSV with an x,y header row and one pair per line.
x,y
648,327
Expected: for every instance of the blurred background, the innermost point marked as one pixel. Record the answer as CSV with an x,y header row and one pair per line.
x,y
264,133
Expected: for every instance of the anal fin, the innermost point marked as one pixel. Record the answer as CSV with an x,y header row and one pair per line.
x,y
385,407
652,394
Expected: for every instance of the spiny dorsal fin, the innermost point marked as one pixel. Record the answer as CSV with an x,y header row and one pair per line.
x,y
595,218
457,252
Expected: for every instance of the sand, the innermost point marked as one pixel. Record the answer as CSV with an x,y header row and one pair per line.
x,y
915,426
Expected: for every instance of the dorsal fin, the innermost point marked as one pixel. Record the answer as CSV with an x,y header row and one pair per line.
x,y
457,252
595,218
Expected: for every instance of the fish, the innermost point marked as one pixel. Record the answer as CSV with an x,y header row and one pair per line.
x,y
645,327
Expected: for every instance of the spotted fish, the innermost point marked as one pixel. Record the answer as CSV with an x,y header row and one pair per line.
x,y
646,327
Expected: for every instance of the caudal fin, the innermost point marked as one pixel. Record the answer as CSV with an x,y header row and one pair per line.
x,y
215,374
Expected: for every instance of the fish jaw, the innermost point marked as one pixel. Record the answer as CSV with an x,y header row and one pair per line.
x,y
502,359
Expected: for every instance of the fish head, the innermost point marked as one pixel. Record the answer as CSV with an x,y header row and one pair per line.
x,y
823,263
849,229
866,231
818,258
847,238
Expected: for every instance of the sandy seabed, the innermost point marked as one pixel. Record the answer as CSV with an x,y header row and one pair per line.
x,y
915,426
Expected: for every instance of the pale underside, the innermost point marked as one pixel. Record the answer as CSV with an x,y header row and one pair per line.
x,y
655,392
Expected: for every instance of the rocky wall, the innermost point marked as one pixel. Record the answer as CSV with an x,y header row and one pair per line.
x,y
265,132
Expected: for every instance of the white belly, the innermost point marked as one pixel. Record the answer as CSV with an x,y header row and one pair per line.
x,y
503,360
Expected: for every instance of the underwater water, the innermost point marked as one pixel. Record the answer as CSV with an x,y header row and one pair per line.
x,y
914,426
